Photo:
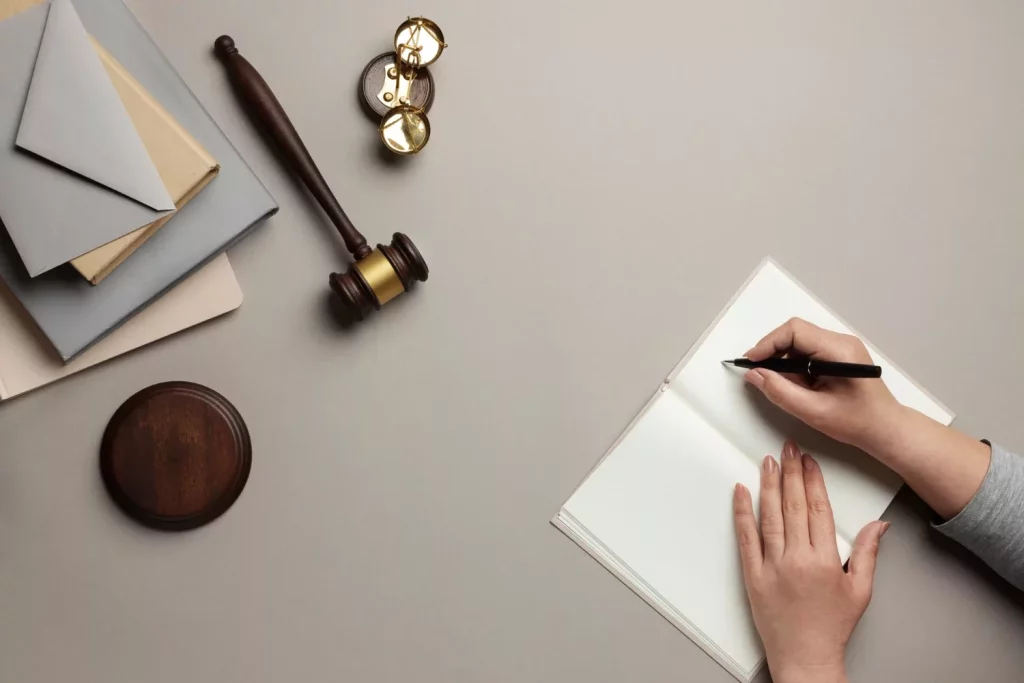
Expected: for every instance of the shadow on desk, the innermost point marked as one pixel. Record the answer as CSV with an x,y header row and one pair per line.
x,y
956,553
937,613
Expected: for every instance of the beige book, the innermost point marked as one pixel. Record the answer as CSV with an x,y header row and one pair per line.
x,y
27,361
184,166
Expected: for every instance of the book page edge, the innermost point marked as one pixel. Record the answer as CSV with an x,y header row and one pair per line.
x,y
682,627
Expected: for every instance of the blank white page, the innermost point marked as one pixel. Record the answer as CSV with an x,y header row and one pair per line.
x,y
661,504
859,487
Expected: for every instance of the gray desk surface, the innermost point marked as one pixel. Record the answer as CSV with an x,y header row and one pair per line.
x,y
600,181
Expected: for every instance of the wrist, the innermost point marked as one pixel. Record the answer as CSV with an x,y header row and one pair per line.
x,y
888,428
835,673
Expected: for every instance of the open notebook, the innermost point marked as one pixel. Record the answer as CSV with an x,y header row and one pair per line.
x,y
657,510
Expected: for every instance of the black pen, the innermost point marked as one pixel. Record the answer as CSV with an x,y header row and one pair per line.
x,y
810,367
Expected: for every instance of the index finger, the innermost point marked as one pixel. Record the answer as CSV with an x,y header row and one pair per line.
x,y
795,334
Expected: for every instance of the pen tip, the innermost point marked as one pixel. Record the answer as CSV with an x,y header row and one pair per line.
x,y
728,362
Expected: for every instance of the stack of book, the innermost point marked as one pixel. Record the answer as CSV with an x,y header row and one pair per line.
x,y
118,193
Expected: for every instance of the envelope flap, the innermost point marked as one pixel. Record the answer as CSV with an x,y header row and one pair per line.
x,y
73,116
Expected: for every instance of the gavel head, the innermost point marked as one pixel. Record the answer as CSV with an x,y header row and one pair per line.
x,y
376,279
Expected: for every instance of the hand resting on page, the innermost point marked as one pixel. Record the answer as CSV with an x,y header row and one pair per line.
x,y
804,605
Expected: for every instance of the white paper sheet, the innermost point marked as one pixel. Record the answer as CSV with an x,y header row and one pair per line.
x,y
656,503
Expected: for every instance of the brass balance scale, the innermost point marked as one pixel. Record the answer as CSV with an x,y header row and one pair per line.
x,y
398,88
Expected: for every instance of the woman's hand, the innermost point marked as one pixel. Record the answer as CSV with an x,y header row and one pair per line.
x,y
804,605
853,411
942,465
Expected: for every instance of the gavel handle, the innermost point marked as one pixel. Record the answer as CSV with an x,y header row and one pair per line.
x,y
261,104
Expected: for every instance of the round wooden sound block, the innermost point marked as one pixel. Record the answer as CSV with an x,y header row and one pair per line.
x,y
175,456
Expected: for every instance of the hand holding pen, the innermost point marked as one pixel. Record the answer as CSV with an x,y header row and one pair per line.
x,y
849,410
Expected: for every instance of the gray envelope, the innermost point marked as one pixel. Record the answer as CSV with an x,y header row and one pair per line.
x,y
74,173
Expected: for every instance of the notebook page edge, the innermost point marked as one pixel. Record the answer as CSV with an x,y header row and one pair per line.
x,y
598,549
621,570
633,506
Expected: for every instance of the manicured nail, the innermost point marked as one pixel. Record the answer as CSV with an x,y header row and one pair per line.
x,y
809,463
739,491
769,464
789,450
884,527
755,377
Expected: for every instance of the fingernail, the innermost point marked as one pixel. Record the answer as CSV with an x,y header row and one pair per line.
x,y
884,527
738,491
809,463
769,464
789,449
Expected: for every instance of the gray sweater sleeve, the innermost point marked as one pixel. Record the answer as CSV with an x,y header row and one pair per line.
x,y
992,524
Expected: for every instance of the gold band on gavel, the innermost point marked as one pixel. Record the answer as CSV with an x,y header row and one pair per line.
x,y
381,276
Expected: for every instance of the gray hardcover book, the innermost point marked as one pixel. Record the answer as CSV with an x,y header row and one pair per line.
x,y
74,314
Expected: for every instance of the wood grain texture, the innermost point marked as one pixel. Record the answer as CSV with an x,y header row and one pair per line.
x,y
263,106
175,456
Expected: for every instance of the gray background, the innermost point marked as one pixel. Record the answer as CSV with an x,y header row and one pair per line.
x,y
600,181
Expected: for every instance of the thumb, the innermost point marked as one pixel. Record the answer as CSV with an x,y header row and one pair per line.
x,y
790,396
862,558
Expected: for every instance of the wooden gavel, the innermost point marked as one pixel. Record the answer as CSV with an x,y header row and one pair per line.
x,y
378,275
